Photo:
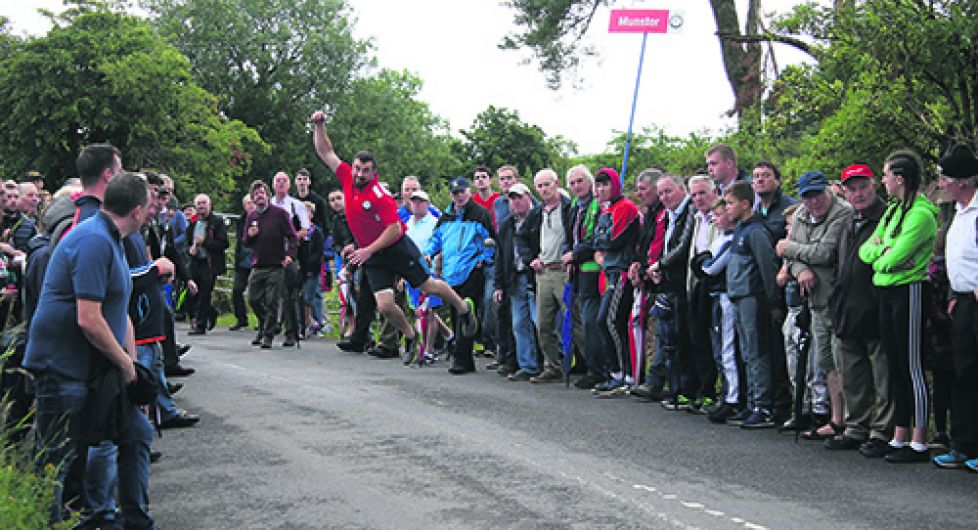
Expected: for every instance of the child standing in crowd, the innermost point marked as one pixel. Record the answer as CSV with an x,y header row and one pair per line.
x,y
752,287
722,333
900,251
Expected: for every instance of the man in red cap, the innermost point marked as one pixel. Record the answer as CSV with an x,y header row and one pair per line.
x,y
378,232
865,387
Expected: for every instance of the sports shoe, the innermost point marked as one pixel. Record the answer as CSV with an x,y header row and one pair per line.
x,y
587,382
610,384
972,464
739,418
266,343
257,340
951,460
520,375
470,323
680,402
617,392
721,413
760,419
547,376
647,391
700,405
505,370
907,455
875,448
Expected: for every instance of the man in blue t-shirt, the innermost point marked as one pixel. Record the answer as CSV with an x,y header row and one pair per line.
x,y
81,325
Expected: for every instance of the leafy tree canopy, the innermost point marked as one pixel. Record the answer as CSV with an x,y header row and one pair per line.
x,y
271,63
99,76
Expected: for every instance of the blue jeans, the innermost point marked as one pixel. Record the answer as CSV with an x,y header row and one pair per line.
x,y
312,296
753,333
127,466
487,320
151,356
58,427
523,305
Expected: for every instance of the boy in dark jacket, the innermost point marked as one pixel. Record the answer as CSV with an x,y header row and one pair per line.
x,y
753,289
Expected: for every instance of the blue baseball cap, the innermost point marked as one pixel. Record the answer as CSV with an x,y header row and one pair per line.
x,y
812,181
459,184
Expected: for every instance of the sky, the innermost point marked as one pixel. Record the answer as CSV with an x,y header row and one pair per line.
x,y
452,46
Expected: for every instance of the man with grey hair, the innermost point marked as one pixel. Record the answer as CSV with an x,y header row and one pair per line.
x,y
553,218
584,273
208,241
701,369
669,273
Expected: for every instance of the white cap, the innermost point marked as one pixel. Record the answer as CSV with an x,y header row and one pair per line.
x,y
420,195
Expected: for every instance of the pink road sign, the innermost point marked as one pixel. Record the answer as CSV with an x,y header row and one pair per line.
x,y
639,21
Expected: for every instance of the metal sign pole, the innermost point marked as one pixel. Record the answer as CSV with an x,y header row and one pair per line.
x,y
631,118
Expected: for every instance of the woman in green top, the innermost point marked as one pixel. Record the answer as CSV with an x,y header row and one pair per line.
x,y
900,251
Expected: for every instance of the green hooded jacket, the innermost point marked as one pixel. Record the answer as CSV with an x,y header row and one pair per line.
x,y
901,255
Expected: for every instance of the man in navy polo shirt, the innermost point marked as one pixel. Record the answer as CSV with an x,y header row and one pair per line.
x,y
82,324
379,235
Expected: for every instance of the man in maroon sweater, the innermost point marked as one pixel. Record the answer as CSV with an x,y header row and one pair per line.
x,y
273,244
378,232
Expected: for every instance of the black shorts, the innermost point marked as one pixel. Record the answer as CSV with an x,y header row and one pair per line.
x,y
400,259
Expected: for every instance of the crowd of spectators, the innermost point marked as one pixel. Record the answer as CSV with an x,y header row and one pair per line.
x,y
717,294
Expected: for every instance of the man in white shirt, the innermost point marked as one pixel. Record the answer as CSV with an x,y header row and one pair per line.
x,y
959,180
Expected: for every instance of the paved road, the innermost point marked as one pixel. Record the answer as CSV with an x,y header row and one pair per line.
x,y
317,438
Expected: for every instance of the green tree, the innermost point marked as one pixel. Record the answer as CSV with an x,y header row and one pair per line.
x,y
891,74
99,76
271,63
499,136
383,114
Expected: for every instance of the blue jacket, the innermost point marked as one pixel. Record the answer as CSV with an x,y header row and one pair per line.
x,y
753,265
461,240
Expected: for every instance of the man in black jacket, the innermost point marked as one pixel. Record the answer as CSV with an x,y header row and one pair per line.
x,y
208,241
854,308
514,280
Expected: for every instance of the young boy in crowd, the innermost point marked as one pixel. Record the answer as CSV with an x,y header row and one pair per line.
x,y
713,264
752,287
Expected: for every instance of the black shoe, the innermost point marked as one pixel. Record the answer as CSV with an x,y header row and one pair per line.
x,y
237,326
459,370
797,424
843,443
383,352
875,448
182,349
352,347
181,420
907,455
266,343
175,370
587,382
289,341
505,370
154,456
197,331
211,323
173,388
720,414
257,340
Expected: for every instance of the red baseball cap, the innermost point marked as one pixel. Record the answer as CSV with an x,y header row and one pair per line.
x,y
857,170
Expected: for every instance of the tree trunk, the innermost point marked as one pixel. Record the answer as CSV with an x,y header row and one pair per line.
x,y
741,61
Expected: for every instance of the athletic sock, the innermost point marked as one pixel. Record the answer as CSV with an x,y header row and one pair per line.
x,y
920,447
897,445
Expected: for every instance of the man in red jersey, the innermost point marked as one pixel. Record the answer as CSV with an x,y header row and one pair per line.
x,y
378,232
